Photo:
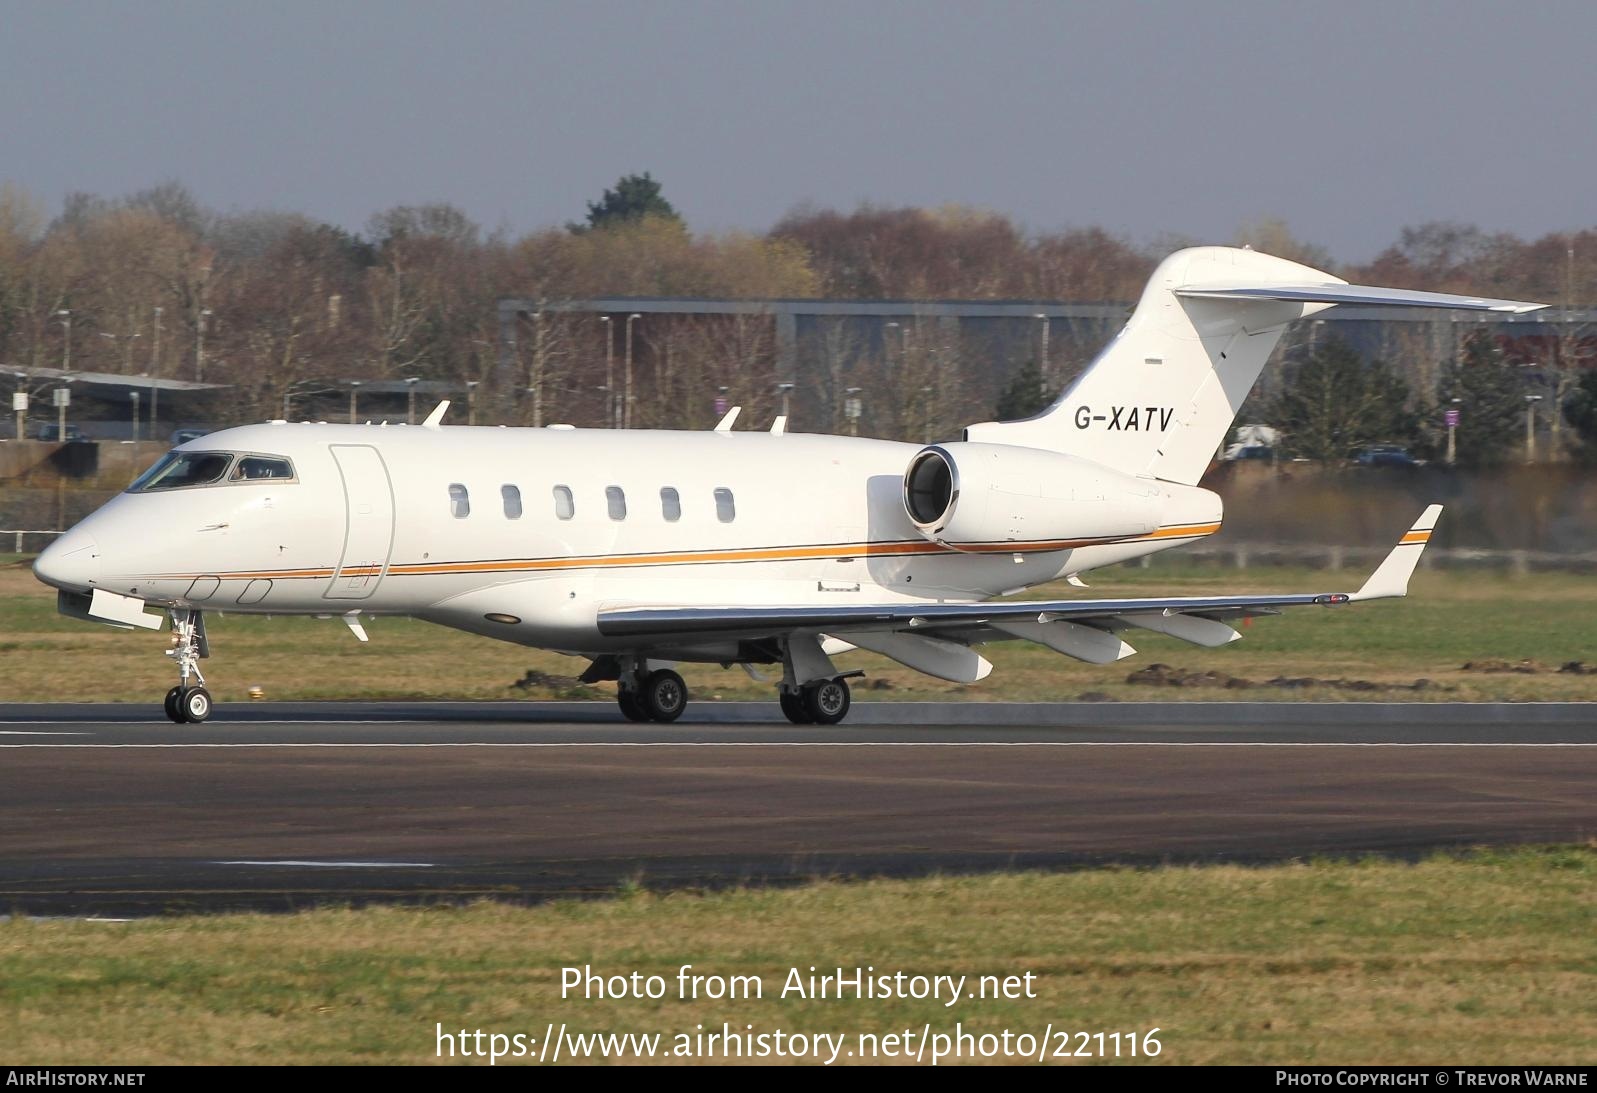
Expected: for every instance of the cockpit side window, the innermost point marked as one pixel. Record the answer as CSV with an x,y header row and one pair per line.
x,y
251,468
178,470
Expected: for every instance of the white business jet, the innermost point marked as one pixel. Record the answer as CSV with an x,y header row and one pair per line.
x,y
639,549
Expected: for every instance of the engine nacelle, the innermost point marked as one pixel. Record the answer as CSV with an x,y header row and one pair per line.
x,y
996,497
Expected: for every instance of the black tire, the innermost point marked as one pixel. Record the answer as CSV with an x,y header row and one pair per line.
x,y
827,702
172,712
664,695
631,707
793,707
195,705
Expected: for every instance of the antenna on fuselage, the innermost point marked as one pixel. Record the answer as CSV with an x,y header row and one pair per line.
x,y
726,422
436,418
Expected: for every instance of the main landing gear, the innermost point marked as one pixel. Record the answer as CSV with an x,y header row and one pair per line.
x,y
812,691
185,703
824,702
659,695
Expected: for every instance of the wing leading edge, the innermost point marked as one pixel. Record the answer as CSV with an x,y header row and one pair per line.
x,y
1085,629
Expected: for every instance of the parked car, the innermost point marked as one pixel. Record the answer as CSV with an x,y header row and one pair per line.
x,y
1389,456
52,432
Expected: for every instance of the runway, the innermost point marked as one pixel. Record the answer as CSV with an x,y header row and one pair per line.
x,y
112,810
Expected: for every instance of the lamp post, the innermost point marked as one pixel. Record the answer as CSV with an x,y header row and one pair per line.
x,y
354,391
471,403
1451,417
886,352
134,397
410,399
786,391
19,403
851,410
199,346
63,398
626,421
1042,363
155,374
126,341
66,349
609,373
1530,427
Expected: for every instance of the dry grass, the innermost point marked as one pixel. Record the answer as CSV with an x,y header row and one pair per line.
x,y
1449,619
1486,958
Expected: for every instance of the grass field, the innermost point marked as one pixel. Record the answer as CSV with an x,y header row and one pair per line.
x,y
1482,958
1379,650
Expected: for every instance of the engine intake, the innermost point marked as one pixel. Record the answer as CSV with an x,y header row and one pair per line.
x,y
995,497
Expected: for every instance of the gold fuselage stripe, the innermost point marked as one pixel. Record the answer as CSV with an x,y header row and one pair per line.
x,y
701,557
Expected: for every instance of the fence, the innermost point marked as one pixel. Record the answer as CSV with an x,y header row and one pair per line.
x,y
19,534
1331,557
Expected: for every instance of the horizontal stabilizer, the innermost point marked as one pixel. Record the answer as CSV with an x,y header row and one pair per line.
x,y
1363,295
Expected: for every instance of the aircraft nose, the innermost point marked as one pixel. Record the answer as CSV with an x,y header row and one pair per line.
x,y
72,562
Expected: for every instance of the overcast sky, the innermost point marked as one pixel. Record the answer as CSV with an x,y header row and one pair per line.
x,y
1346,119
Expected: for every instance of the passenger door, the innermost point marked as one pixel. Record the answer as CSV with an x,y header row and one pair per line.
x,y
368,522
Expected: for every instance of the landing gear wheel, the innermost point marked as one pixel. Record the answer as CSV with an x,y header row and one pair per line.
x,y
631,708
827,701
195,705
793,707
664,695
172,712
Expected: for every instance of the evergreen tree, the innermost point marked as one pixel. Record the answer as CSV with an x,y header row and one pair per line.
x,y
1336,403
634,197
1580,410
1024,395
1491,394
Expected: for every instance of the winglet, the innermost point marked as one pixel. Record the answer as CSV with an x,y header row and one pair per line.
x,y
436,418
726,422
1391,576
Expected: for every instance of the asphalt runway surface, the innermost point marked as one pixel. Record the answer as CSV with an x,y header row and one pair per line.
x,y
114,811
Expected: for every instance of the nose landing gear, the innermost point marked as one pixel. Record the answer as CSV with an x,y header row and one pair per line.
x,y
186,704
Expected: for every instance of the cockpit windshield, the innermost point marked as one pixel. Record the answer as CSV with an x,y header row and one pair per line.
x,y
181,470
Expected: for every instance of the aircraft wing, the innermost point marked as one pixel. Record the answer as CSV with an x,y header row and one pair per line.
x,y
1087,629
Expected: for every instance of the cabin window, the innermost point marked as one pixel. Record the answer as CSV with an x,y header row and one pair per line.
x,y
725,508
459,501
512,499
616,499
670,504
565,507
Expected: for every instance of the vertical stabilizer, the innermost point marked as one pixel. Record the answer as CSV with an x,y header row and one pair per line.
x,y
1160,399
